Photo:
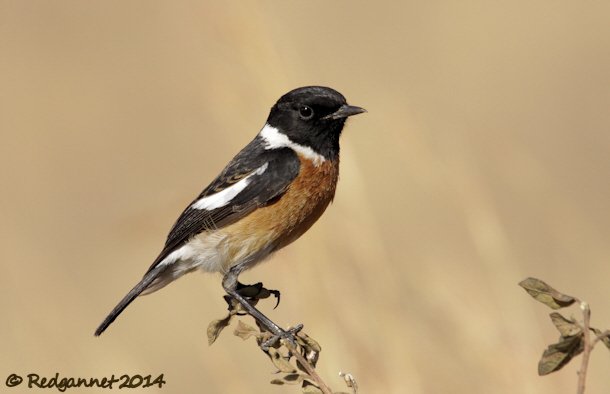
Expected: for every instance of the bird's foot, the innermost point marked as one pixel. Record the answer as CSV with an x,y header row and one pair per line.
x,y
242,300
254,293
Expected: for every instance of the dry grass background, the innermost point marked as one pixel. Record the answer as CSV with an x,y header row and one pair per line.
x,y
484,159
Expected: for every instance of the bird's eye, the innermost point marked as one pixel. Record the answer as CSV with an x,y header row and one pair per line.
x,y
305,112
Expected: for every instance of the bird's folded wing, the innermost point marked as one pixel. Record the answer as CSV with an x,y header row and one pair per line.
x,y
254,178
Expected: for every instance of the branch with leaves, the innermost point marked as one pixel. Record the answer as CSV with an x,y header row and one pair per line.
x,y
575,335
295,362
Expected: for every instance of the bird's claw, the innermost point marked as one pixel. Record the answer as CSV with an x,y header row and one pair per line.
x,y
256,292
276,294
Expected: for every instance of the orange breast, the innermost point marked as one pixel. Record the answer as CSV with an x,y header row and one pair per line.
x,y
276,225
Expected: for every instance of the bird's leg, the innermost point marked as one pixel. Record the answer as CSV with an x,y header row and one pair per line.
x,y
230,284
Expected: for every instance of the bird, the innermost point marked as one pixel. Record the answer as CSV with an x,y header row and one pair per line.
x,y
265,198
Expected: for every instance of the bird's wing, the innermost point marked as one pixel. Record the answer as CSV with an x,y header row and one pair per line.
x,y
252,179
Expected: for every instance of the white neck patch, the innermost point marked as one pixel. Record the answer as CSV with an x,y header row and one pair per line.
x,y
274,140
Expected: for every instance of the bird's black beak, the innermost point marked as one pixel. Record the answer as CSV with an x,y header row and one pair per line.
x,y
344,111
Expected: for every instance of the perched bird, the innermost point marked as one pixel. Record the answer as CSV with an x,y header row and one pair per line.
x,y
268,195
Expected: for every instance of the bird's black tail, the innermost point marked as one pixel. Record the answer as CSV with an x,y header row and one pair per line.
x,y
136,291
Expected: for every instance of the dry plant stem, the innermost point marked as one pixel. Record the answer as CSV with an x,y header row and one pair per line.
x,y
588,346
605,334
310,370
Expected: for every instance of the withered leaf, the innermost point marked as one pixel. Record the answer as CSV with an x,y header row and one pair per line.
x,y
245,331
280,362
546,294
301,367
215,328
557,355
567,328
311,359
309,387
605,339
291,378
308,342
349,381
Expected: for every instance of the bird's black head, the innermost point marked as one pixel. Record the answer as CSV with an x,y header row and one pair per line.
x,y
313,116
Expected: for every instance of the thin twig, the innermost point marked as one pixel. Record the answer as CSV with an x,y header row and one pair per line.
x,y
310,370
588,346
600,337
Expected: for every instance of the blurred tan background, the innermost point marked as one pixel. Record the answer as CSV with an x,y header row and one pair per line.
x,y
484,159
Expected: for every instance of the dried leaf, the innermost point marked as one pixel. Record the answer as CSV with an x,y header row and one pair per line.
x,y
567,328
215,328
557,355
301,367
280,362
245,331
311,357
291,378
309,387
605,339
349,381
546,294
308,342
234,307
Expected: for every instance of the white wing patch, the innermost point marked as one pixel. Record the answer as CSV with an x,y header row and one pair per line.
x,y
225,196
274,139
